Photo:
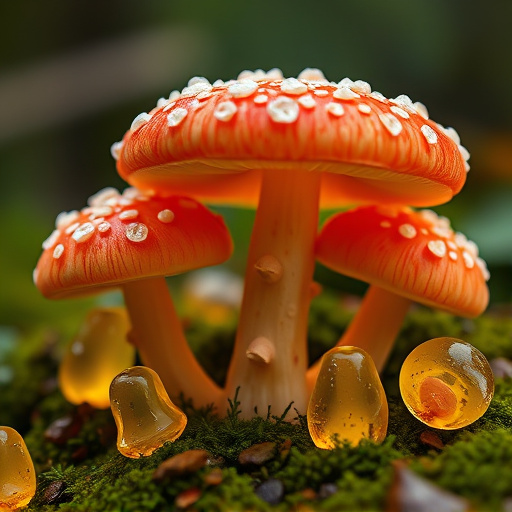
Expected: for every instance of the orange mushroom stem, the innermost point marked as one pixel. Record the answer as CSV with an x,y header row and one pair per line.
x,y
406,256
133,241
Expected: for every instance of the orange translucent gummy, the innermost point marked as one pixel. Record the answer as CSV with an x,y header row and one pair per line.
x,y
446,383
17,474
95,356
144,414
348,401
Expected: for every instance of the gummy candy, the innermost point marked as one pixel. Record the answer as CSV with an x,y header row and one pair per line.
x,y
17,474
96,355
446,383
144,414
348,401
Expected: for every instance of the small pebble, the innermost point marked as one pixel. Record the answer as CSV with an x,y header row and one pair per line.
x,y
431,439
501,367
327,490
187,497
271,491
182,464
63,429
257,454
55,493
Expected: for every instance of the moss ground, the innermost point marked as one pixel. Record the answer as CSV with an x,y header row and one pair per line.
x,y
81,470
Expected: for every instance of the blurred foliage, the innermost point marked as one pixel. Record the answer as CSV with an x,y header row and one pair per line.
x,y
453,56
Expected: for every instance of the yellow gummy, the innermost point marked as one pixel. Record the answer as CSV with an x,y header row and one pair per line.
x,y
144,414
17,474
348,401
446,383
95,356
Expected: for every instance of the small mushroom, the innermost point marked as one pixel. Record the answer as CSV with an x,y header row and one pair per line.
x,y
406,256
291,146
133,241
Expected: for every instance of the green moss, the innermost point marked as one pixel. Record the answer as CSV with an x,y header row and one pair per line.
x,y
476,467
472,463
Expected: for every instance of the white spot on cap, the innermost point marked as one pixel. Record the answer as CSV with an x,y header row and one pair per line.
x,y
464,152
66,218
196,85
321,92
274,74
165,216
72,228
176,116
483,268
399,112
468,259
307,101
243,88
225,110
99,211
403,101
198,80
57,252
335,109
115,150
451,245
421,109
364,109
293,86
344,93
169,106
260,99
258,74
140,120
83,232
429,134
104,226
461,240
452,133
129,215
312,74
453,255
361,86
174,95
391,123
52,239
283,110
437,248
136,232
407,230
378,96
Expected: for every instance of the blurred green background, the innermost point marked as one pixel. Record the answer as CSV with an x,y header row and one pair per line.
x,y
74,74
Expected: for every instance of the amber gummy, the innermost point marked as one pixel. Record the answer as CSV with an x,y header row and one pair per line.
x,y
144,414
98,352
17,474
446,383
348,401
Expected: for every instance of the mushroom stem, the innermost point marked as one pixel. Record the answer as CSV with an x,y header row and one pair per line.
x,y
277,309
374,328
161,342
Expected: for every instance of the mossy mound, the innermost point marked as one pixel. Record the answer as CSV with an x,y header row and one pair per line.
x,y
80,469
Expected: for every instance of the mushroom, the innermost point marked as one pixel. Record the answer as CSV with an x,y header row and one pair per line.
x,y
133,241
290,146
406,256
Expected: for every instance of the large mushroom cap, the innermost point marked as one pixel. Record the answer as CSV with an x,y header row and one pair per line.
x,y
213,142
412,254
121,238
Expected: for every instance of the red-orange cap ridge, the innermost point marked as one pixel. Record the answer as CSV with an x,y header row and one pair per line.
x,y
210,139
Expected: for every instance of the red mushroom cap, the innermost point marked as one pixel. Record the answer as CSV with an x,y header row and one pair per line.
x,y
120,238
213,142
412,254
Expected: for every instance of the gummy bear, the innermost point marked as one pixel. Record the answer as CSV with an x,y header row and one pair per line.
x,y
96,355
144,414
446,383
348,401
17,474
